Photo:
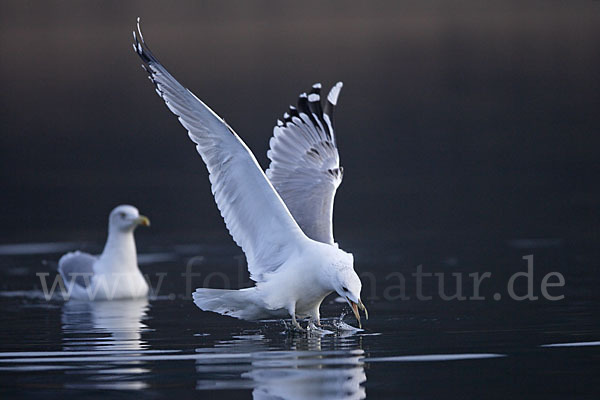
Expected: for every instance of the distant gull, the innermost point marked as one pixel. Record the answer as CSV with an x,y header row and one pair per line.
x,y
115,273
282,220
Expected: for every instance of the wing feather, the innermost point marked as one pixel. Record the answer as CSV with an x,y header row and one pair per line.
x,y
77,266
256,217
305,164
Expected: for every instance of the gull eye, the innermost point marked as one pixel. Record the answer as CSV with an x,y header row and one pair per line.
x,y
122,214
345,289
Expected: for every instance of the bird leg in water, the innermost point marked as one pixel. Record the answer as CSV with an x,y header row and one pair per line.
x,y
296,324
314,317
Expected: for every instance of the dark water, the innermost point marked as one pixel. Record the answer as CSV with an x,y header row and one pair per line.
x,y
409,348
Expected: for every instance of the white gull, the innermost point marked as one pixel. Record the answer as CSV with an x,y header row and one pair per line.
x,y
282,220
115,273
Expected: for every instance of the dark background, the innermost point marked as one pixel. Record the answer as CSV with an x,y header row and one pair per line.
x,y
457,118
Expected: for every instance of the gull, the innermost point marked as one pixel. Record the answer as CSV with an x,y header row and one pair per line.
x,y
282,219
115,273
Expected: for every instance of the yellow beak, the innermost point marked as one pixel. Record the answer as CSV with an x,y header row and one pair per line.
x,y
143,220
362,307
355,311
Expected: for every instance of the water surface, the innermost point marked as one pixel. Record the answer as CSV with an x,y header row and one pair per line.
x,y
409,348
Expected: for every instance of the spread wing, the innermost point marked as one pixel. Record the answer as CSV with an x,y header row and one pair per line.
x,y
305,164
77,266
255,215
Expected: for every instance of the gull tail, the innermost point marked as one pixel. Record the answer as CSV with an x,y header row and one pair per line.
x,y
233,303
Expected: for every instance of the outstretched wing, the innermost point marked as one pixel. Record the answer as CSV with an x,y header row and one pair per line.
x,y
305,164
77,266
255,215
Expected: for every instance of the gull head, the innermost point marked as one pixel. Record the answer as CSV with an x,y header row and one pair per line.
x,y
348,286
126,218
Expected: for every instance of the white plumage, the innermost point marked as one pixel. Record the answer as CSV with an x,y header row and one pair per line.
x,y
282,222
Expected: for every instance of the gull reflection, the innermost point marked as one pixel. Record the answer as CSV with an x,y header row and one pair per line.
x,y
309,367
105,327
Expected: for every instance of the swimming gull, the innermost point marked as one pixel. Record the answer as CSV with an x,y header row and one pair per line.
x,y
115,273
282,220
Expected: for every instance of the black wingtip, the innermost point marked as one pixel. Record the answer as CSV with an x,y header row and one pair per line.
x,y
139,29
150,62
289,114
140,46
303,103
311,105
314,99
332,99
